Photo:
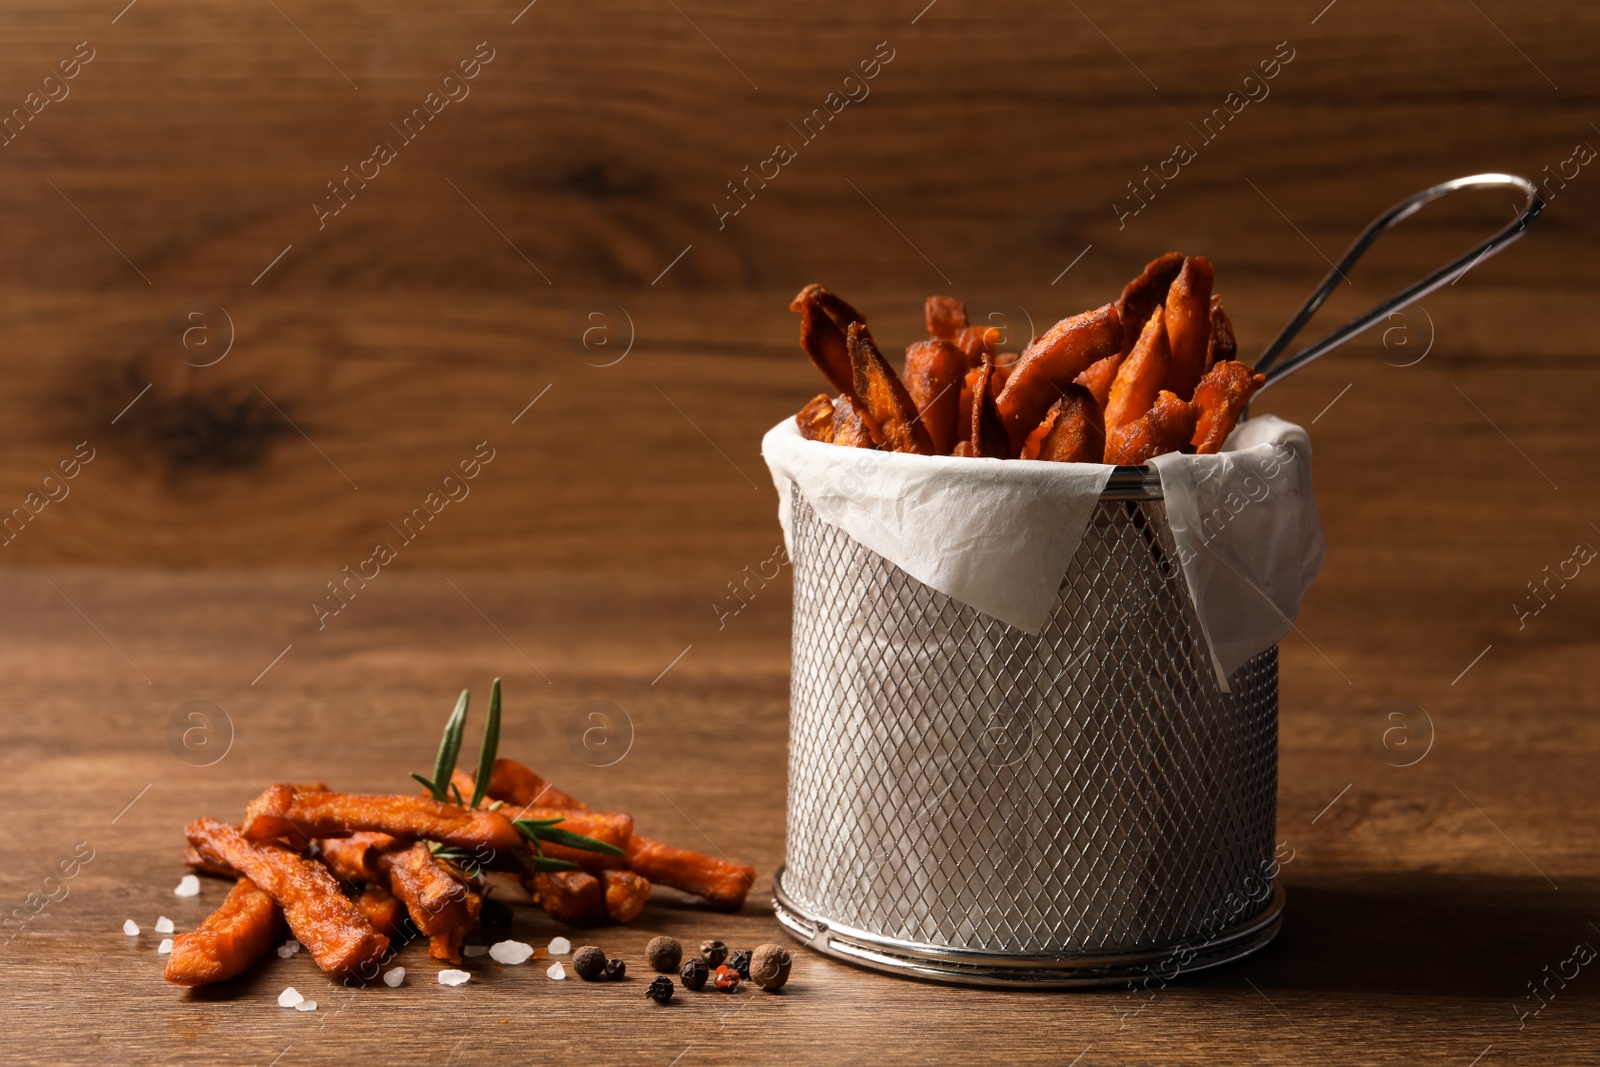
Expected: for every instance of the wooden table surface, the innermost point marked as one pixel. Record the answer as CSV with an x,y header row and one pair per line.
x,y
1437,780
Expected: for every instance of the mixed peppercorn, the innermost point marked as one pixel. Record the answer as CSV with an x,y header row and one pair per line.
x,y
767,966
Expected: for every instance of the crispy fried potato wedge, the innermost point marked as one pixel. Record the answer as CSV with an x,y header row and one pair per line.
x,y
1166,427
988,439
1221,397
934,373
1189,325
1139,378
816,419
331,928
227,941
1145,293
850,426
1071,431
1222,347
1065,351
824,320
946,317
889,407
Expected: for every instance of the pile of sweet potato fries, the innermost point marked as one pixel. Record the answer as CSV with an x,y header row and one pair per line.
x,y
348,870
1150,374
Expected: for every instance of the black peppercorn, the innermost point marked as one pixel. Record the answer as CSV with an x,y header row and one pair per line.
x,y
664,954
694,974
660,990
615,969
740,961
715,953
589,963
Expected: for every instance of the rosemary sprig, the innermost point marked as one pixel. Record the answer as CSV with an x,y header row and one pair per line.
x,y
489,748
534,830
537,830
444,765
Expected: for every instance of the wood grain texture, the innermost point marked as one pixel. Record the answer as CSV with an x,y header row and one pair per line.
x,y
580,178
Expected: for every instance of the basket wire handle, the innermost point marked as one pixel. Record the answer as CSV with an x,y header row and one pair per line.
x,y
1268,363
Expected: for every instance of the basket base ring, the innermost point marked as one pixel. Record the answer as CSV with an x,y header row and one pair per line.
x,y
967,967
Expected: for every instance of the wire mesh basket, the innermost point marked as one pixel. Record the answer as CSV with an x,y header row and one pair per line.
x,y
969,802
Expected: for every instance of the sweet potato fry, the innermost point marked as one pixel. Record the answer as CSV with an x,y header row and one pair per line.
x,y
1071,431
382,909
281,812
613,828
355,858
1141,374
331,928
1222,347
1098,378
571,896
722,883
516,784
850,427
934,370
193,860
626,894
824,319
227,941
946,316
887,404
1166,427
434,898
1144,294
447,945
1065,351
987,438
1189,325
978,341
1221,397
816,419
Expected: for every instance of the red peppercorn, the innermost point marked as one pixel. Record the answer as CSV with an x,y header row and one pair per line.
x,y
727,979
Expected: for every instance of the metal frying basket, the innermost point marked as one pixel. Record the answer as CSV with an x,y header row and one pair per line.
x,y
972,803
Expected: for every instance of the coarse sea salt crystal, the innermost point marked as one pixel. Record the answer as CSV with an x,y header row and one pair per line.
x,y
289,997
560,946
306,1005
130,928
164,925
188,886
165,948
470,951
453,977
288,948
556,971
394,976
510,952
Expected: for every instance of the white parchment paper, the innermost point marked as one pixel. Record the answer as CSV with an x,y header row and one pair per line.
x,y
999,534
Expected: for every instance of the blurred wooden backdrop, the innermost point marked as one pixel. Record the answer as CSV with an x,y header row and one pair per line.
x,y
579,179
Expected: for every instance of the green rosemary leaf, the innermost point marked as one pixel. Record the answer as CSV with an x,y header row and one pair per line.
x,y
547,865
449,748
491,744
540,822
556,836
454,789
437,795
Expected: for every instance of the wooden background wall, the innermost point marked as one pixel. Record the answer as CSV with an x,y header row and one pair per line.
x,y
580,176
